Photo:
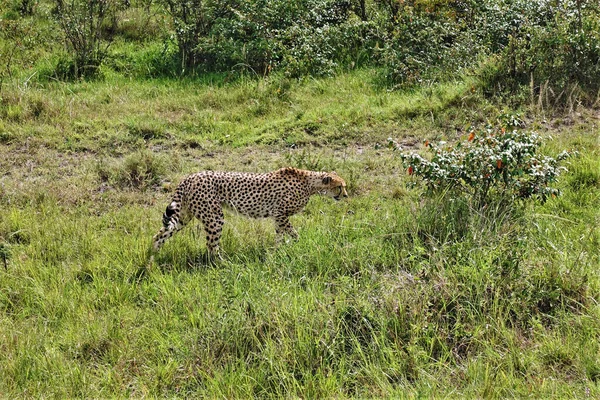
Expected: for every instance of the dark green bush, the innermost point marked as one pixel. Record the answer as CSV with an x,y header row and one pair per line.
x,y
419,47
546,49
556,58
300,38
87,33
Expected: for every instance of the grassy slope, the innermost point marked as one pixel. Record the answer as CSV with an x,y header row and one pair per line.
x,y
360,305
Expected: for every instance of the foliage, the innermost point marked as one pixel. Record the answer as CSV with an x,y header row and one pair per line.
x,y
548,47
191,21
86,34
493,163
20,41
12,9
304,37
414,41
422,42
557,57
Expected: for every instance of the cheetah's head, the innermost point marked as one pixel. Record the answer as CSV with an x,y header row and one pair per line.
x,y
333,185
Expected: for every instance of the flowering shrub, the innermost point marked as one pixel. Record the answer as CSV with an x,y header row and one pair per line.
x,y
493,162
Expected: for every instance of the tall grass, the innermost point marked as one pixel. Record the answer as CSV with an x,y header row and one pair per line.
x,y
388,294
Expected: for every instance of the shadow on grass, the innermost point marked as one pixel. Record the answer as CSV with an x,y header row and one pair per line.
x,y
184,261
187,260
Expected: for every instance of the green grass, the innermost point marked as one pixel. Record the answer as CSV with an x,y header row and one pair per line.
x,y
377,298
120,114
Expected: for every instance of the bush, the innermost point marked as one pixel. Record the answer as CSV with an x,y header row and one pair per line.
x,y
86,33
419,46
301,38
551,47
557,59
494,164
191,21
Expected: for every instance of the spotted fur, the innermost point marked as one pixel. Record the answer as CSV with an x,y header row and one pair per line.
x,y
278,195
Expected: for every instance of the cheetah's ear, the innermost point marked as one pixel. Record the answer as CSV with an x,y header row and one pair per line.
x,y
327,180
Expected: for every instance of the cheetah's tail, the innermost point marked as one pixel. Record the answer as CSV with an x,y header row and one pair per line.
x,y
169,212
171,215
171,222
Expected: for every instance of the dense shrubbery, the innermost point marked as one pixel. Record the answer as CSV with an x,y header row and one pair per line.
x,y
303,37
534,43
427,41
537,43
548,48
555,52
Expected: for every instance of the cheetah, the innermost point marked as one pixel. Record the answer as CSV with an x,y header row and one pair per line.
x,y
278,195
